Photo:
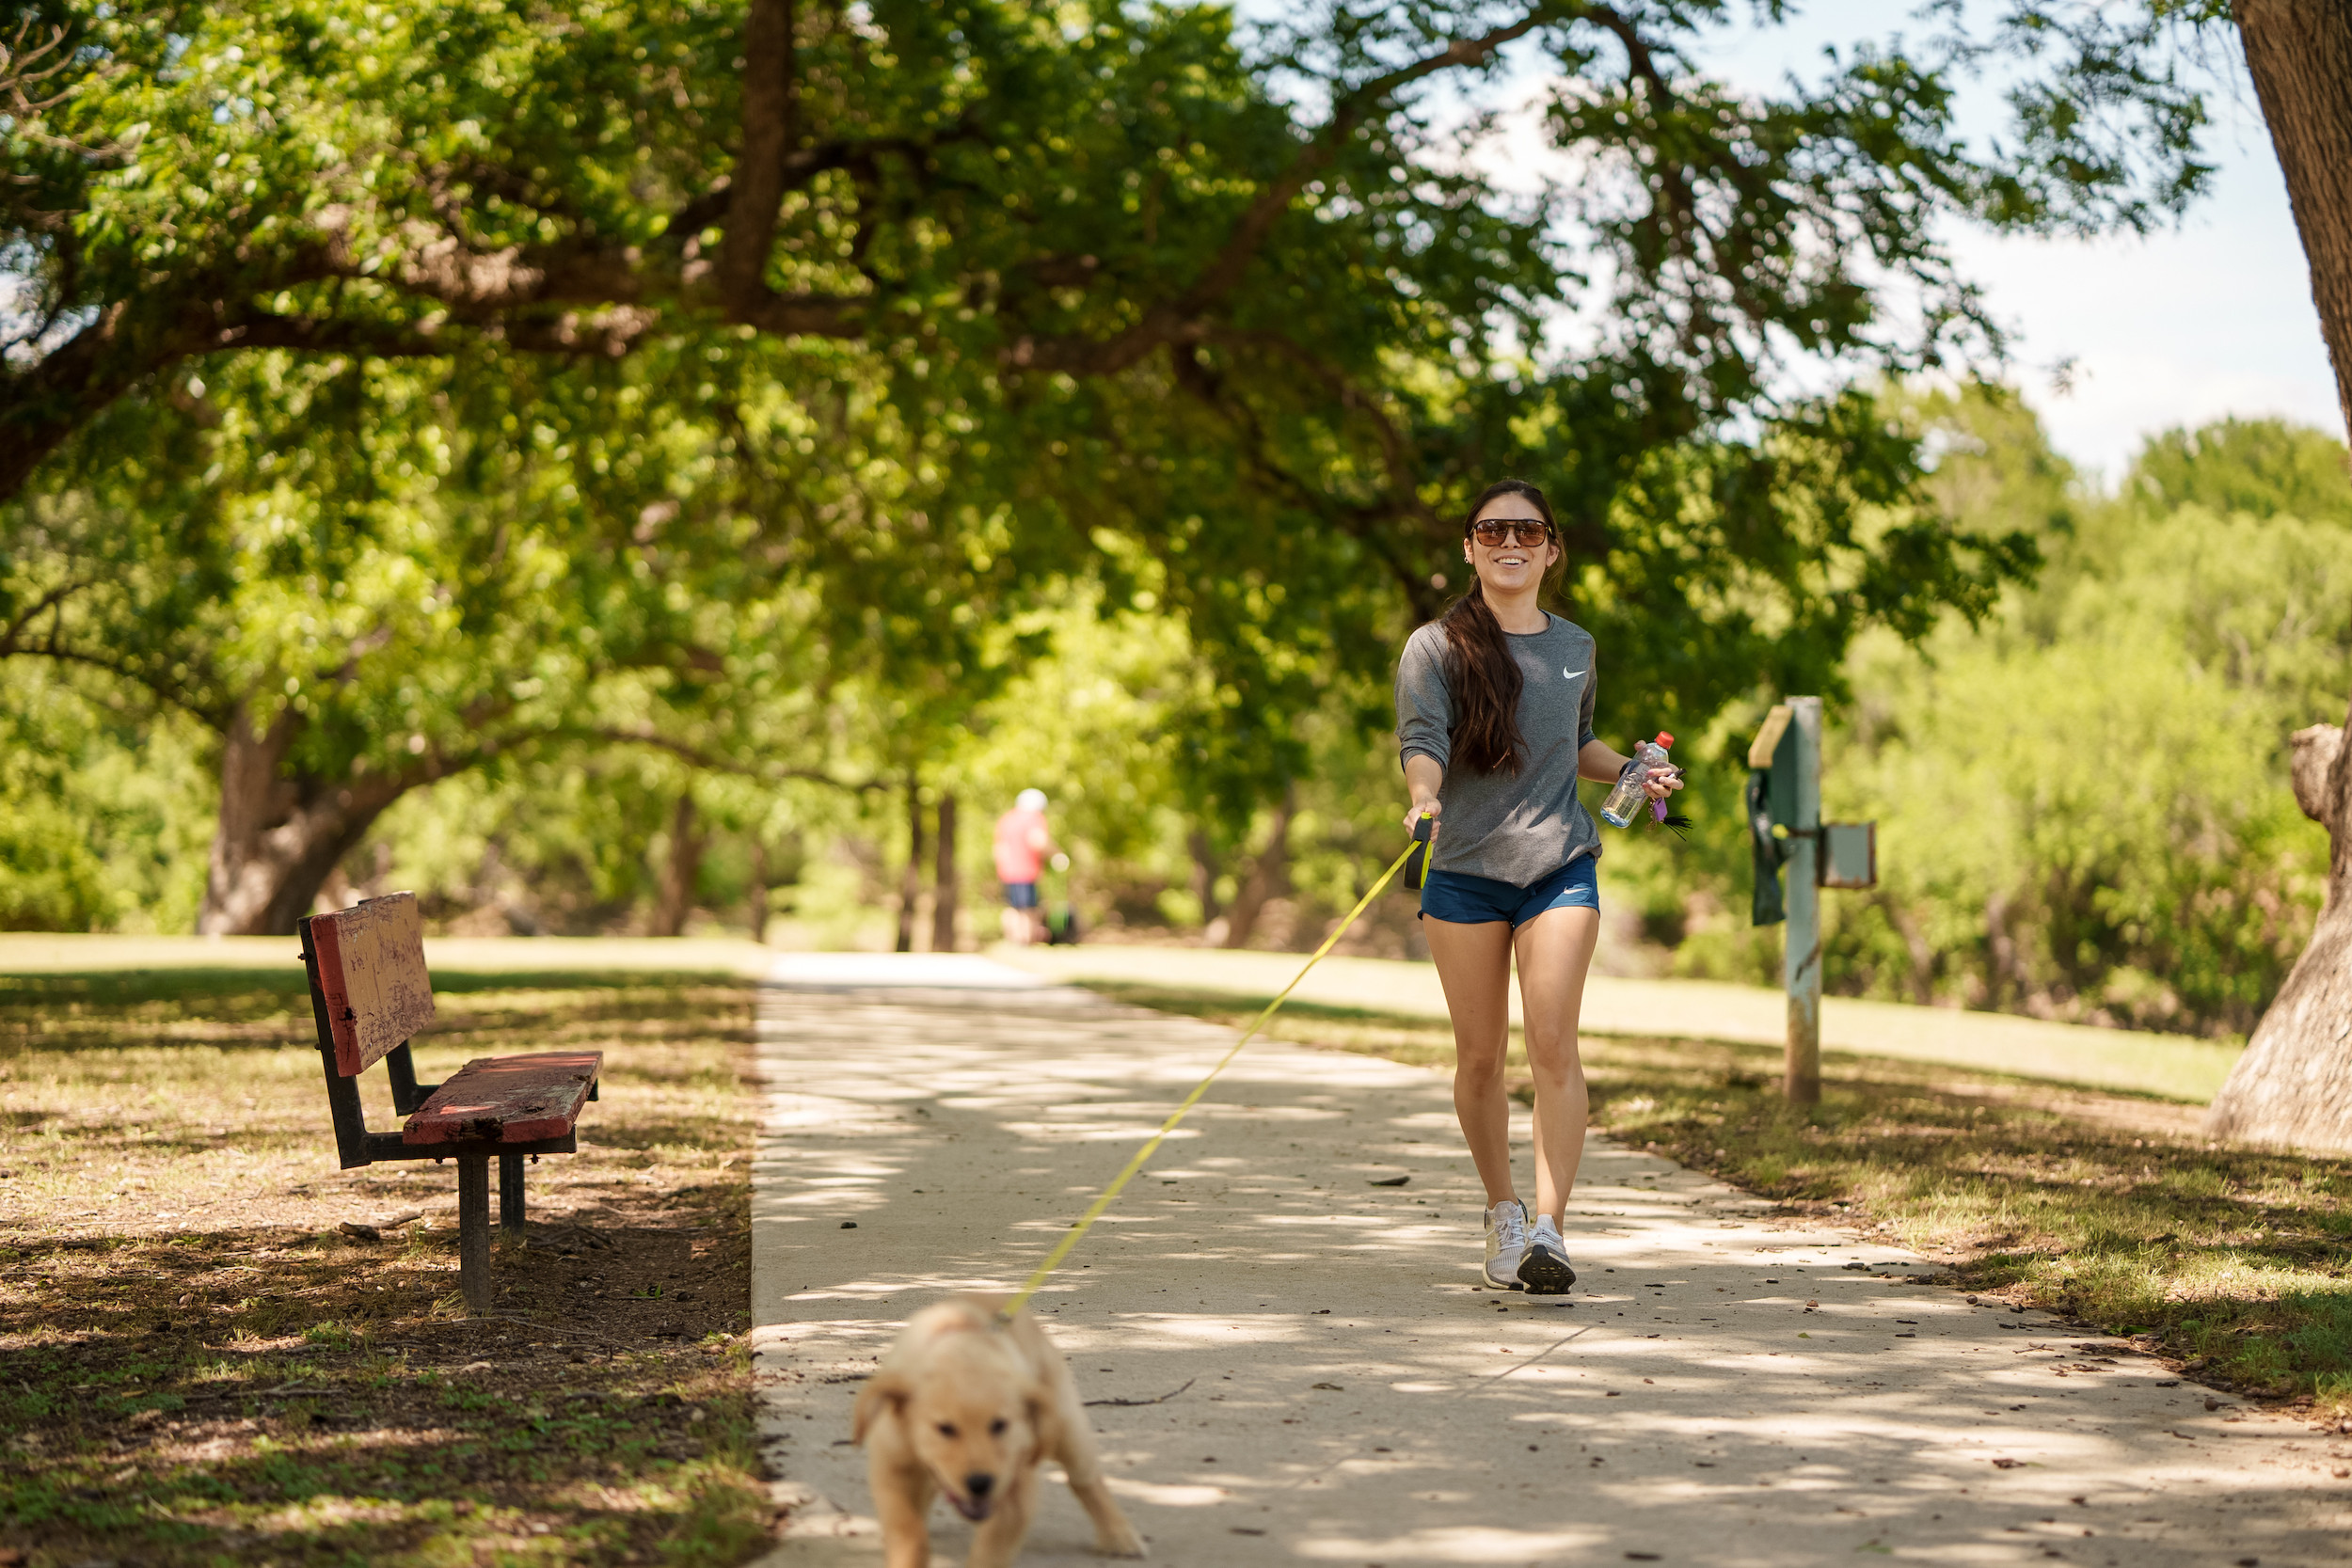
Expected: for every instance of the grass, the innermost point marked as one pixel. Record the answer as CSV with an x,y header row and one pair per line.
x,y
2120,1061
2109,1210
203,1366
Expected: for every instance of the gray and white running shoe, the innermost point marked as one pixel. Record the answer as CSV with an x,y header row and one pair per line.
x,y
1506,1242
1544,1267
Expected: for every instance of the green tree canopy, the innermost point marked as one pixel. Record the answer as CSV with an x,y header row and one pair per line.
x,y
1033,278
366,575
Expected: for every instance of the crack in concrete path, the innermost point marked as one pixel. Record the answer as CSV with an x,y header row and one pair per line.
x,y
1720,1388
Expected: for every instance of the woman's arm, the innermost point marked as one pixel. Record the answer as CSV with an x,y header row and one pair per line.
x,y
1422,780
1600,765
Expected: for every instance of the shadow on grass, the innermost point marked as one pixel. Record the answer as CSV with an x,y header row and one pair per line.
x,y
174,1398
2238,1261
247,1382
231,1007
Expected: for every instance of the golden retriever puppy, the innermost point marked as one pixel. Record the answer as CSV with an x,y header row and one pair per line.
x,y
969,1406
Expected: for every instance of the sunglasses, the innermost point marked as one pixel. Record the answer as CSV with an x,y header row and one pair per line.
x,y
1494,532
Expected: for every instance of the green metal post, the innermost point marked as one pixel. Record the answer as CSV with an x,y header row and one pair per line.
x,y
1803,963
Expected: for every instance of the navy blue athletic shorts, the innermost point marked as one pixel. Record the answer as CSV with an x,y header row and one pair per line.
x,y
1020,895
1468,900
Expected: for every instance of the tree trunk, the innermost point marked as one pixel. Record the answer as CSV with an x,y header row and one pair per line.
x,y
911,881
680,871
2299,54
1204,875
757,898
1270,874
946,887
279,836
2004,978
2293,1085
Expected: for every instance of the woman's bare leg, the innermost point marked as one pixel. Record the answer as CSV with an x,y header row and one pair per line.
x,y
1474,966
1555,949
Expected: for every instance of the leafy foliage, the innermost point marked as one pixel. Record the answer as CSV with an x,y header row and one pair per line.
x,y
725,375
2083,804
104,812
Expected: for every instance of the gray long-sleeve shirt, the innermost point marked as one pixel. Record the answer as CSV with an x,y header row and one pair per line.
x,y
1516,829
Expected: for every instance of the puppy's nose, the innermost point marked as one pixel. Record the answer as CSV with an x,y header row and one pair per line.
x,y
979,1485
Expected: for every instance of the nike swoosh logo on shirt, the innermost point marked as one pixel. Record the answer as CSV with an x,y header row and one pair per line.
x,y
1571,674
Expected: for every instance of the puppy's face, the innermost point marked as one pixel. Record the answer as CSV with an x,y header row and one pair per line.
x,y
972,1415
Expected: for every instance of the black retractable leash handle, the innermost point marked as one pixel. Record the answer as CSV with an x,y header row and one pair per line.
x,y
1417,867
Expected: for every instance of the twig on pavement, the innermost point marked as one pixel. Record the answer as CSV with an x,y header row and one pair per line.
x,y
1162,1399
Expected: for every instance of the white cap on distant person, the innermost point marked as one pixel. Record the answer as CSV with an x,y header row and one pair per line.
x,y
1030,799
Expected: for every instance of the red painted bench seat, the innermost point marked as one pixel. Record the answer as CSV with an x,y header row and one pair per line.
x,y
508,1099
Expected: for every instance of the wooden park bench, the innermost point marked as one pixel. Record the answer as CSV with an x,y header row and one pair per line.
x,y
370,994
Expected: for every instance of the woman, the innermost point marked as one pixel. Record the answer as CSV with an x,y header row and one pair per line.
x,y
1494,713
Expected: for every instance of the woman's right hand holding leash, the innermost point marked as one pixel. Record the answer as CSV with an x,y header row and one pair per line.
x,y
1423,778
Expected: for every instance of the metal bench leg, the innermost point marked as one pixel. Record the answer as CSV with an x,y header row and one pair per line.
x,y
473,1233
511,1195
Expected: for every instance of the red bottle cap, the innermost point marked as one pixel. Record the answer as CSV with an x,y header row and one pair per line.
x,y
1665,741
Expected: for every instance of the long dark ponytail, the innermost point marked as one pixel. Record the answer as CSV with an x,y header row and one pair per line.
x,y
1483,680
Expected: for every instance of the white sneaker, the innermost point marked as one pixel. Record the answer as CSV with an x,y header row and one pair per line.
x,y
1544,1267
1506,1242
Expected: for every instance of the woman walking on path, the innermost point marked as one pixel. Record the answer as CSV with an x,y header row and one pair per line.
x,y
1494,723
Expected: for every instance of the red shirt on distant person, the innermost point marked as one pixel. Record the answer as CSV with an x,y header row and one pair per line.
x,y
1022,841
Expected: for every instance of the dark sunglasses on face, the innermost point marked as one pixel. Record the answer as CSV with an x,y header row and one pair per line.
x,y
1494,532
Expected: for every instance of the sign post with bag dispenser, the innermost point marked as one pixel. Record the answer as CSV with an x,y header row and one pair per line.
x,y
1785,827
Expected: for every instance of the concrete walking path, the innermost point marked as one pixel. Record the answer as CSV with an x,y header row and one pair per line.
x,y
1308,1371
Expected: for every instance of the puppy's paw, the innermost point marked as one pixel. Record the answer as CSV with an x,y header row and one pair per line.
x,y
1122,1542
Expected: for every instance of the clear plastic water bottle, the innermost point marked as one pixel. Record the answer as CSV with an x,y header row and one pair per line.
x,y
1629,797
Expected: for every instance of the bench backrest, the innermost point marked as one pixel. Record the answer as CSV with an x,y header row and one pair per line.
x,y
372,976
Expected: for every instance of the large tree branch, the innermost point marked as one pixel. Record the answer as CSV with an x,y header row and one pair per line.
x,y
314,335
712,762
771,122
44,404
618,291
1248,237
802,166
1396,454
1184,320
1586,536
768,163
11,640
1678,234
58,651
1259,461
17,641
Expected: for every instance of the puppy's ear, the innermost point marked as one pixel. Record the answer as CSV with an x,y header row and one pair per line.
x,y
883,1391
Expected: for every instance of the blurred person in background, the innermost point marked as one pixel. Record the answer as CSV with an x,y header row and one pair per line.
x,y
1022,846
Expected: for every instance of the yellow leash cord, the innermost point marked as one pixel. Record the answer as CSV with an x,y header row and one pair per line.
x,y
1086,1221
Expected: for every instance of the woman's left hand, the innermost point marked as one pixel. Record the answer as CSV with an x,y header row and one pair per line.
x,y
1661,784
